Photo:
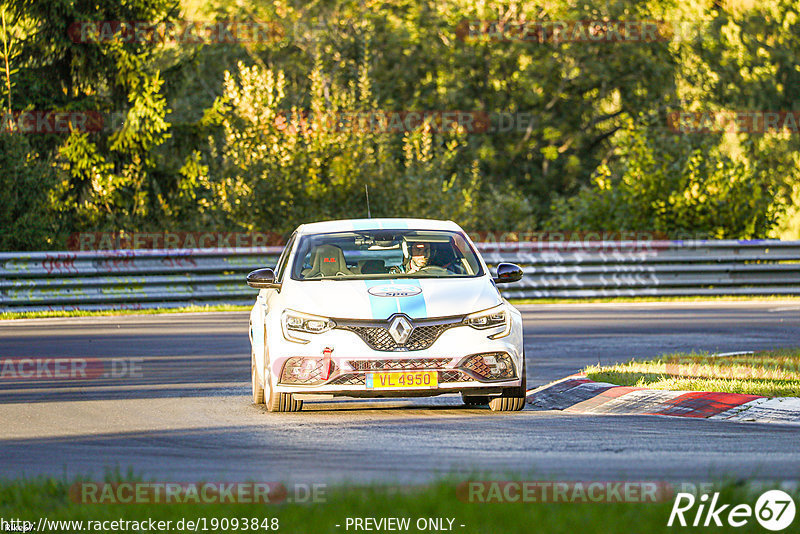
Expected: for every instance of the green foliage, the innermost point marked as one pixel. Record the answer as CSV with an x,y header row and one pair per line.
x,y
249,135
674,185
27,184
278,166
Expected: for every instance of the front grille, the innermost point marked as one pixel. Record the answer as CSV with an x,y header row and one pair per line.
x,y
399,365
378,338
454,376
353,379
376,334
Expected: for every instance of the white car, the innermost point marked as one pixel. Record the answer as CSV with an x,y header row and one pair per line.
x,y
384,308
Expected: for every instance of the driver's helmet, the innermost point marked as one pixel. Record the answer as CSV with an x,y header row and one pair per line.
x,y
416,254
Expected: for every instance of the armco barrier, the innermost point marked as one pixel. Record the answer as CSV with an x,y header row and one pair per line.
x,y
135,279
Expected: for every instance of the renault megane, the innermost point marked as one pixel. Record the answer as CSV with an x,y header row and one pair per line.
x,y
384,308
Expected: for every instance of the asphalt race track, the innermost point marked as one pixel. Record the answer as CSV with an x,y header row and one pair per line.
x,y
184,413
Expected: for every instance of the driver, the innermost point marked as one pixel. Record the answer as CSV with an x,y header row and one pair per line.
x,y
419,256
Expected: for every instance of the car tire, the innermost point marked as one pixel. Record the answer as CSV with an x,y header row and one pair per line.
x,y
512,399
283,402
258,388
475,400
280,402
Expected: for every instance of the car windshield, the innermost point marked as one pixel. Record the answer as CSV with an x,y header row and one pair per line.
x,y
383,254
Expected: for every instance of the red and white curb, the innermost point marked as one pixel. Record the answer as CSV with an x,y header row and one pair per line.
x,y
578,394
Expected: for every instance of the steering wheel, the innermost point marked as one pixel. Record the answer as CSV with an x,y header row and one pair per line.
x,y
454,267
433,269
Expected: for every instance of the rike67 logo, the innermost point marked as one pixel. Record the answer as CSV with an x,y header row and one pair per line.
x,y
774,510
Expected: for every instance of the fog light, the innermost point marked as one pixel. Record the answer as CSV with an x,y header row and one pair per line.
x,y
490,366
306,371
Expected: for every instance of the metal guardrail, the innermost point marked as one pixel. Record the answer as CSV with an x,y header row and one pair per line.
x,y
651,268
138,279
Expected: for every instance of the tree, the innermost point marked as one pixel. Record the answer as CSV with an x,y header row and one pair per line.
x,y
28,183
673,185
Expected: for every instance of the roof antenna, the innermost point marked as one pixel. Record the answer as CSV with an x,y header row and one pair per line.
x,y
366,190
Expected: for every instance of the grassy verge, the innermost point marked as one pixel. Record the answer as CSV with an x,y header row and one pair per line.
x,y
769,373
228,307
47,498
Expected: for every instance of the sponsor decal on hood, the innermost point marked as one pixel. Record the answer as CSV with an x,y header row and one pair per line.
x,y
390,290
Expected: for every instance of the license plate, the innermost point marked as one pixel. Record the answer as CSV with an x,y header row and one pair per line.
x,y
403,380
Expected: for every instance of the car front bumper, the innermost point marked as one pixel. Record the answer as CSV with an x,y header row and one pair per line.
x,y
351,360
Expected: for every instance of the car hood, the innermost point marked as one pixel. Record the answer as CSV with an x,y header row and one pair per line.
x,y
379,299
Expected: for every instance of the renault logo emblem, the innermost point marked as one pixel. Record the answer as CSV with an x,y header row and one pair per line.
x,y
400,328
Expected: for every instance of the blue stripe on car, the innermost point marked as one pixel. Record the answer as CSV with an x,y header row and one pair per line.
x,y
382,307
363,225
374,224
413,306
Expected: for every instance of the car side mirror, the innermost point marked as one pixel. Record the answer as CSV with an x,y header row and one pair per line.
x,y
507,273
262,279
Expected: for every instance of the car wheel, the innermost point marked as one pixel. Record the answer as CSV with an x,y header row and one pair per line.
x,y
258,388
280,402
512,399
475,400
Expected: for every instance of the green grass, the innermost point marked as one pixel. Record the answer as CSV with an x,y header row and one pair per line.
x,y
30,500
768,373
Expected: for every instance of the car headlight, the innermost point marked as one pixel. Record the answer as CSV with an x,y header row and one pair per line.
x,y
491,318
293,321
